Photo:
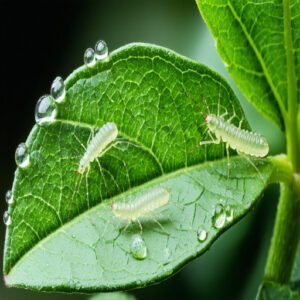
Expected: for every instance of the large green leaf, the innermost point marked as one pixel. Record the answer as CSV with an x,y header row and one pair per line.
x,y
274,291
252,38
63,234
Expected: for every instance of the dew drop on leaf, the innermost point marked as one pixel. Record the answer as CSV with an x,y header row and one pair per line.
x,y
6,218
45,110
219,216
202,235
89,57
101,50
229,213
138,247
58,90
9,197
22,156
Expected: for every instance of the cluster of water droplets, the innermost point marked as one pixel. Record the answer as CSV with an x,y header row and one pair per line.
x,y
9,200
91,55
222,215
9,197
46,107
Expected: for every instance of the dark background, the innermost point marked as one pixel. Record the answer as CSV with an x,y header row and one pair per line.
x,y
43,39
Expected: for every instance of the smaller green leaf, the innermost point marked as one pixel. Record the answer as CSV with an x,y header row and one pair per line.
x,y
254,38
273,291
112,296
295,278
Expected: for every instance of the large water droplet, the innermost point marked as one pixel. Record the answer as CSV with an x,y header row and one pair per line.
x,y
202,235
229,213
101,50
9,197
22,156
6,218
219,216
138,247
58,91
45,110
89,57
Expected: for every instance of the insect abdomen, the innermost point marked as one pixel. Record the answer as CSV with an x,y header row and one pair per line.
x,y
243,141
142,205
106,134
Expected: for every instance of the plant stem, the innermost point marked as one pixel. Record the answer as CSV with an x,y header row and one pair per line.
x,y
293,143
287,224
285,237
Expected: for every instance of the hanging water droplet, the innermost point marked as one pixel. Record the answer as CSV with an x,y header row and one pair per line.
x,y
219,216
45,110
22,156
229,213
202,235
6,218
57,90
9,197
89,57
138,247
101,50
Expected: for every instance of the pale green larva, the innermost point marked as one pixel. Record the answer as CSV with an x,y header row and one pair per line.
x,y
141,206
103,138
241,140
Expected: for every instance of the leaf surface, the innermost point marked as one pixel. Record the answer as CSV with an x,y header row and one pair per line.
x,y
252,38
64,235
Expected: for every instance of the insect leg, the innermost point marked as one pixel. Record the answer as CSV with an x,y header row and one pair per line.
x,y
213,141
140,225
253,165
228,162
162,227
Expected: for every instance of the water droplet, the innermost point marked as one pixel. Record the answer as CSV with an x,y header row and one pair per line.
x,y
89,57
22,156
138,247
9,197
229,213
58,91
101,50
45,110
202,235
219,216
6,218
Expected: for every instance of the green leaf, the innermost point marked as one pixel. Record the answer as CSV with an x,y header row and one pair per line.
x,y
295,278
113,296
252,39
63,234
274,291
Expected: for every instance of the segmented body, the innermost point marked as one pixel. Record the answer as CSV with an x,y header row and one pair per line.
x,y
105,135
141,206
242,140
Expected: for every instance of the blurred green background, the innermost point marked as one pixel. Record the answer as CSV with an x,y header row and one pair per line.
x,y
48,38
